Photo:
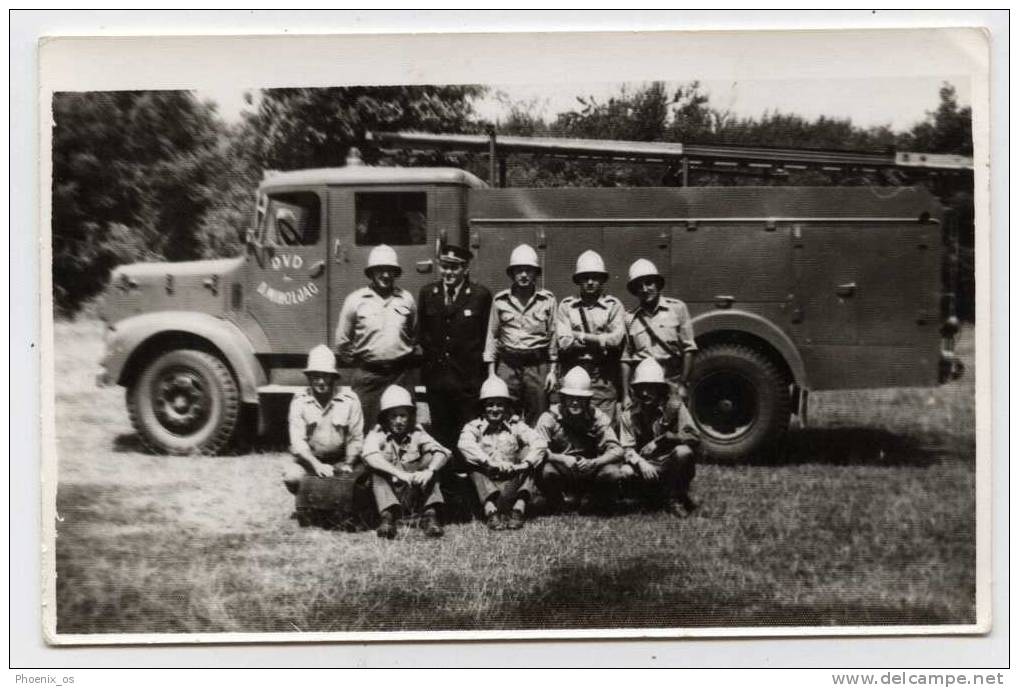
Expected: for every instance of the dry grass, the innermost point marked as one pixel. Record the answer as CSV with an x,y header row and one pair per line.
x,y
868,519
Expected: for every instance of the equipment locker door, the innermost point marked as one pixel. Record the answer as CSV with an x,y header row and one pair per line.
x,y
625,243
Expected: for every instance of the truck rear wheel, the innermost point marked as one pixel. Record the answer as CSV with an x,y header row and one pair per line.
x,y
184,402
739,399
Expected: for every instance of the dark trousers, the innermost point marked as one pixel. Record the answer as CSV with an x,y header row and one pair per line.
x,y
450,410
676,470
369,385
412,499
526,384
505,492
554,480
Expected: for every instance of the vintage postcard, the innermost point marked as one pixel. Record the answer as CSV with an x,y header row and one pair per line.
x,y
478,336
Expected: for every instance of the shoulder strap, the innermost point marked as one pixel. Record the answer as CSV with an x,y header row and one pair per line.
x,y
583,318
654,335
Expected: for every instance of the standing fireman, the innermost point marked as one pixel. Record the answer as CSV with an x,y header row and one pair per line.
x,y
326,427
590,330
375,332
659,328
453,313
521,347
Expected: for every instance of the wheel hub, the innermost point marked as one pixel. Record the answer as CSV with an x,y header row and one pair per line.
x,y
725,405
181,401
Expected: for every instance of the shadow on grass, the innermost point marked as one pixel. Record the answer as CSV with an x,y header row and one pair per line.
x,y
859,446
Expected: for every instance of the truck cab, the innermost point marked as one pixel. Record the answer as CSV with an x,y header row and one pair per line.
x,y
194,342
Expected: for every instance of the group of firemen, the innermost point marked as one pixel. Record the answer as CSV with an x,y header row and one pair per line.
x,y
576,400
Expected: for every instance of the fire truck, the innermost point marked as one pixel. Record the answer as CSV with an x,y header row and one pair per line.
x,y
791,289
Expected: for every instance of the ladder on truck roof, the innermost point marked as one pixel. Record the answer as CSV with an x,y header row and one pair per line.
x,y
683,157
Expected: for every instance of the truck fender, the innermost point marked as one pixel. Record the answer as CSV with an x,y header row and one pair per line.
x,y
130,334
758,326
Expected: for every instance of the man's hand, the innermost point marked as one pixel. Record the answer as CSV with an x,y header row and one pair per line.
x,y
504,469
550,381
647,470
422,477
587,466
322,470
344,468
649,449
564,460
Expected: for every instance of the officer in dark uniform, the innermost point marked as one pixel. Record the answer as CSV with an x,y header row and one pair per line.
x,y
453,316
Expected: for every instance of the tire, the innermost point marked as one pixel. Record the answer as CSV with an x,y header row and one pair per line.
x,y
184,402
740,401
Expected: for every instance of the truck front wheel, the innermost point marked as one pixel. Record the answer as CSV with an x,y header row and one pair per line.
x,y
184,402
739,399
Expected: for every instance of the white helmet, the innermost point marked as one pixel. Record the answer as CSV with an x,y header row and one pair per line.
x,y
649,372
382,256
494,388
321,360
576,383
590,263
523,255
395,396
642,267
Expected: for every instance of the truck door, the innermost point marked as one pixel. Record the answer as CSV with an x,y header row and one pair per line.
x,y
287,270
411,219
826,281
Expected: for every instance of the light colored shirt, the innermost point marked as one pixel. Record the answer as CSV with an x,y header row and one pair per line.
x,y
484,444
670,321
372,328
415,446
605,318
513,325
329,433
636,430
595,438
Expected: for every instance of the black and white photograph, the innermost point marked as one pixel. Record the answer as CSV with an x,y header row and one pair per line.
x,y
643,336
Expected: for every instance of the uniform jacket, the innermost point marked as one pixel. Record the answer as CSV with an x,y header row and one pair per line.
x,y
511,440
593,440
414,447
453,337
371,328
636,430
521,326
671,322
605,318
330,433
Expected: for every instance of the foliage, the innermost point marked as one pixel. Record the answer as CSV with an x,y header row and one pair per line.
x,y
133,175
295,128
949,129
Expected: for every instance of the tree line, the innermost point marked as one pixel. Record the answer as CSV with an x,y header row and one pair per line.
x,y
158,175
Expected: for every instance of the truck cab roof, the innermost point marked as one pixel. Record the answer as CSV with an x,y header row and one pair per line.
x,y
362,175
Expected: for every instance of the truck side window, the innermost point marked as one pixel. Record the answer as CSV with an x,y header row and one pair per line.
x,y
293,219
394,218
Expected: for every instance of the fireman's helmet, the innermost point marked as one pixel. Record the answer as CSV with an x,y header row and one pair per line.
x,y
321,360
590,263
395,397
382,256
494,388
642,267
576,383
523,255
649,372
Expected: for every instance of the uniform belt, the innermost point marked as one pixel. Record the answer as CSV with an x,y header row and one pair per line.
x,y
524,356
390,366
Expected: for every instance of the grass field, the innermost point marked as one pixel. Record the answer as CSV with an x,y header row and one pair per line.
x,y
868,519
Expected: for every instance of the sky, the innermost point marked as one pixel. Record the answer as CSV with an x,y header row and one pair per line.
x,y
897,102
